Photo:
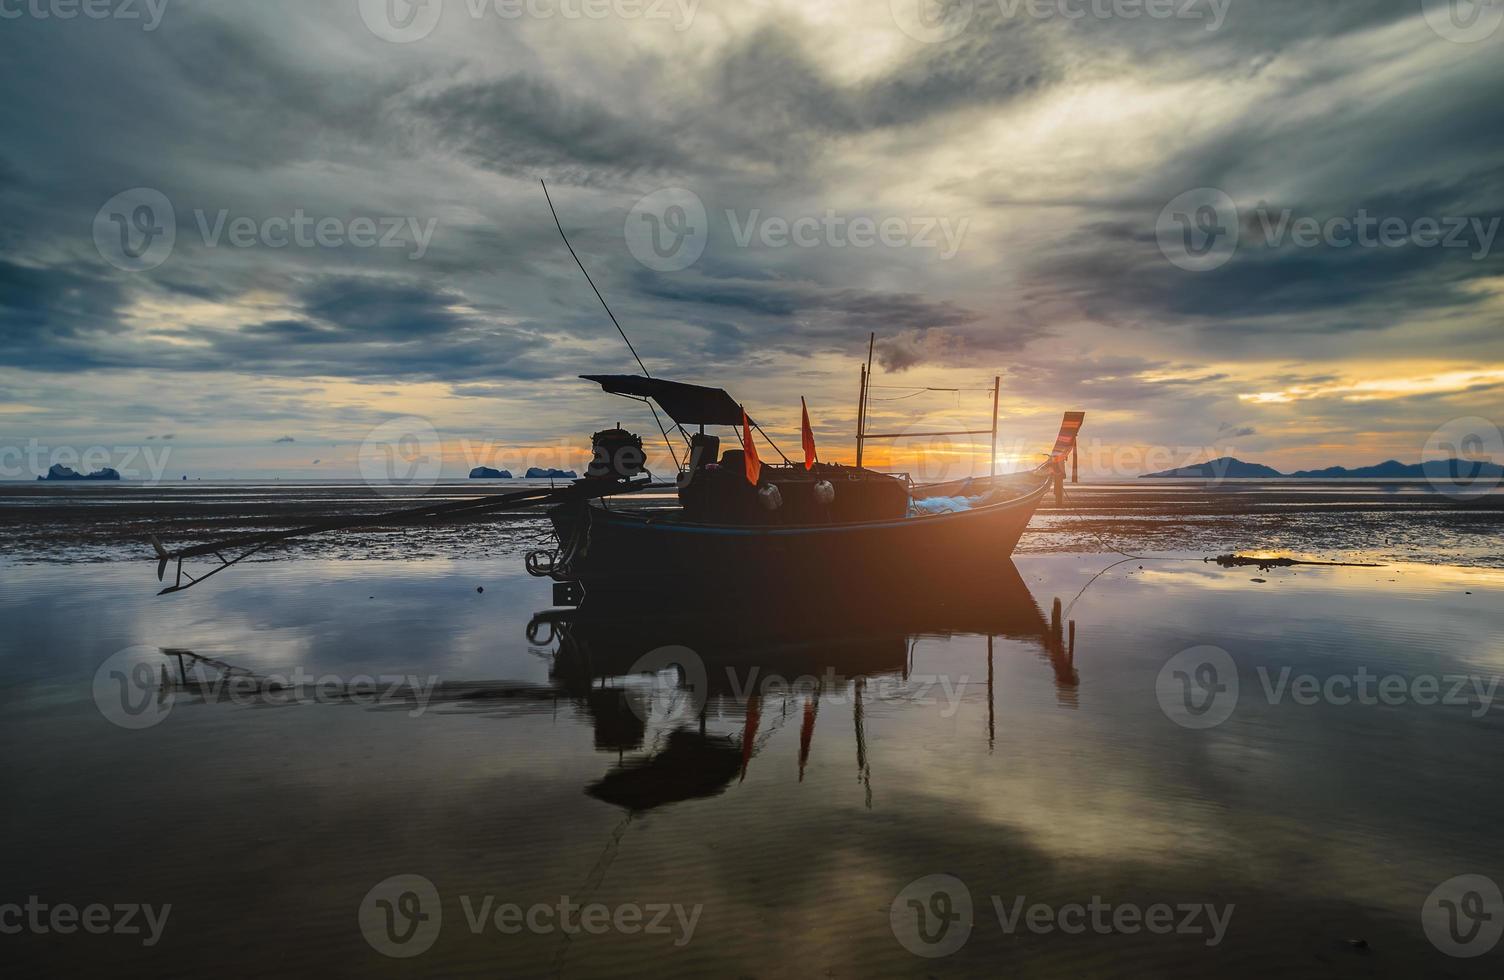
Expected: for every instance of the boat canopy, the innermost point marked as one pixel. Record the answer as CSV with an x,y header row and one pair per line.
x,y
686,404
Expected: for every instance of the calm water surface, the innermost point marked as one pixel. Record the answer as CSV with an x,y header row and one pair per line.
x,y
774,792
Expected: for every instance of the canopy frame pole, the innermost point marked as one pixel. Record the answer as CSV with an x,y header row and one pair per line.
x,y
772,443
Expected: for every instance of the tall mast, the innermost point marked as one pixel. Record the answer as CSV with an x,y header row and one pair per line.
x,y
861,408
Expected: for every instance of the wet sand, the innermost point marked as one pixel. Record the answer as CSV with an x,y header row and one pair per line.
x,y
1377,520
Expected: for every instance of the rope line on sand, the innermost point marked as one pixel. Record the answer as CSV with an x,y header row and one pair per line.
x,y
1226,561
1126,558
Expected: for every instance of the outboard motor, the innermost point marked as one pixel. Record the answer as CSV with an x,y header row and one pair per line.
x,y
617,455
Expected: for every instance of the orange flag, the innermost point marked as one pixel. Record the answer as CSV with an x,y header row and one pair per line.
x,y
754,465
809,438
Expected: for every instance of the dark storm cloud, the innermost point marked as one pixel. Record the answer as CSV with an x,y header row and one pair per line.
x,y
777,91
787,300
763,100
1277,286
372,329
264,108
52,318
1430,149
519,124
383,310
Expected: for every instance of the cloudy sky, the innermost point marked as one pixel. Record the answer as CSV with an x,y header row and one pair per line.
x,y
255,233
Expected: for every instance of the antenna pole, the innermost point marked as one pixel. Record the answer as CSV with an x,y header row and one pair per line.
x,y
592,282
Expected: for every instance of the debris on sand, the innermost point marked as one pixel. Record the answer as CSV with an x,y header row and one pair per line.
x,y
1264,564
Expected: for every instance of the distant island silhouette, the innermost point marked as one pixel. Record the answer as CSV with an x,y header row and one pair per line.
x,y
533,473
1228,467
60,472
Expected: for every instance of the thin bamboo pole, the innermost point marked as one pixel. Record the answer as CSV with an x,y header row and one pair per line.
x,y
997,385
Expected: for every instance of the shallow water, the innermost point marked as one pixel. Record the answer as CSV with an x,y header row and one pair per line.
x,y
841,759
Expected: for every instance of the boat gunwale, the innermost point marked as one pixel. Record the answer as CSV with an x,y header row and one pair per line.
x,y
656,521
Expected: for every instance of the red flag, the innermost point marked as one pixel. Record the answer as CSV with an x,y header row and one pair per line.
x,y
749,730
809,438
754,465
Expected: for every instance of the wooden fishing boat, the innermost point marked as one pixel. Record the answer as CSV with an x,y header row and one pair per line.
x,y
602,546
828,526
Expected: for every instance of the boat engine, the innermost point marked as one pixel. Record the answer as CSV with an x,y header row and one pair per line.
x,y
616,455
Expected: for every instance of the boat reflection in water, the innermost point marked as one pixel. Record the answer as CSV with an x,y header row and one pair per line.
x,y
687,698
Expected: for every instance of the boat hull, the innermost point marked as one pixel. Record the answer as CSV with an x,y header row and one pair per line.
x,y
615,550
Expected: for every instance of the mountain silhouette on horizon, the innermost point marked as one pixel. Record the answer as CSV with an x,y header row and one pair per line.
x,y
1231,468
